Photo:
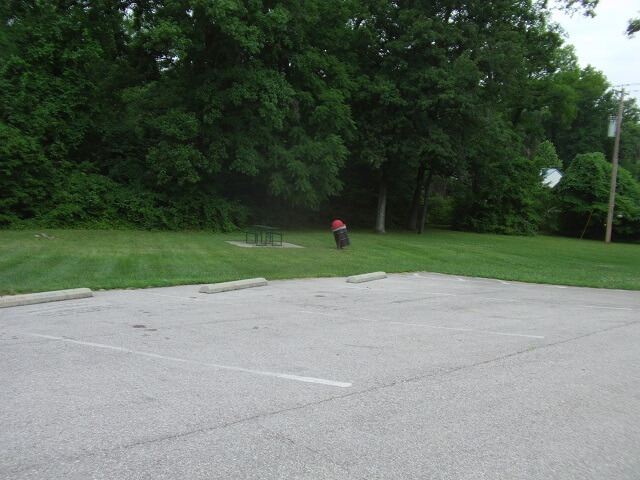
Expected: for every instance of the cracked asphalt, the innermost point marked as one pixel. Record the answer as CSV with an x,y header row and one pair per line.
x,y
414,376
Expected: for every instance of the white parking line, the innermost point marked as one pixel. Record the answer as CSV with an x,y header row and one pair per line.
x,y
342,316
605,308
434,294
460,279
395,290
187,298
286,376
468,330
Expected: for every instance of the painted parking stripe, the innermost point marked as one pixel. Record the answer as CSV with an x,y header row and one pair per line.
x,y
605,307
395,290
468,330
460,279
489,332
286,376
191,299
426,294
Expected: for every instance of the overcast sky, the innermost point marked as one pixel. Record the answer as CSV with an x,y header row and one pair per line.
x,y
601,41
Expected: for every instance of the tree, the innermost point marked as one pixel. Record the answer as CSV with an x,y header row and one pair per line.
x,y
427,71
630,148
629,155
633,27
256,89
515,54
57,60
193,113
546,156
580,125
587,6
504,190
583,198
189,105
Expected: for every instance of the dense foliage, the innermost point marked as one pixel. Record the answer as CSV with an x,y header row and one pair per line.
x,y
214,113
583,195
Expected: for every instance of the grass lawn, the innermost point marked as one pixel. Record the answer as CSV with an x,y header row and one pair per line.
x,y
121,259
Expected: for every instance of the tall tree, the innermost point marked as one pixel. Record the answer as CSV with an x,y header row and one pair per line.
x,y
246,91
583,106
583,195
416,86
633,27
57,57
428,74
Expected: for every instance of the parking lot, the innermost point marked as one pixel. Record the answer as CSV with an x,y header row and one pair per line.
x,y
414,376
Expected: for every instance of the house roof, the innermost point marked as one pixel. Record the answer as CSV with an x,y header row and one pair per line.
x,y
550,176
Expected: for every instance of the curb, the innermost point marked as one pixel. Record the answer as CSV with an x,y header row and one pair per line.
x,y
44,297
236,285
366,277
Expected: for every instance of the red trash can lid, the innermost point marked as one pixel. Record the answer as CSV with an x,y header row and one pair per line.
x,y
336,224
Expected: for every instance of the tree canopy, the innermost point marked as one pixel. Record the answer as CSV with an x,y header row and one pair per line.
x,y
210,114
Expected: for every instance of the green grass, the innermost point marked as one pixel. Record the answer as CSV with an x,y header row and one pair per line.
x,y
121,259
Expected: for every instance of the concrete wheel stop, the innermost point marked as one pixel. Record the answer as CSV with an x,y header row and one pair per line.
x,y
366,277
43,297
236,285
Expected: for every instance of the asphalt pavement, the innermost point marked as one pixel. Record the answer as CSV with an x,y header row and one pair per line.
x,y
416,376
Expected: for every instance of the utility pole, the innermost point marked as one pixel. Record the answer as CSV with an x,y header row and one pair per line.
x,y
614,171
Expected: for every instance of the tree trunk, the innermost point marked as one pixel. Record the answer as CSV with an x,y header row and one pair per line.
x,y
382,206
427,185
415,204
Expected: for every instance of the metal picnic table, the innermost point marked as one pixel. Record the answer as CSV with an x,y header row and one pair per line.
x,y
265,233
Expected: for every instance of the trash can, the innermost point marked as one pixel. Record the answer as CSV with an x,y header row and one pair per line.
x,y
340,234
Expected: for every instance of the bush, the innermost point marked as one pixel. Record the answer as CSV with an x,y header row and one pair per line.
x,y
83,200
504,198
25,175
440,210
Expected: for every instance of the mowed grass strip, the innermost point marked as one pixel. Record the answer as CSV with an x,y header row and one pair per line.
x,y
135,259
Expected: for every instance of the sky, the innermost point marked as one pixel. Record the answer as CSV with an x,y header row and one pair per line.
x,y
601,41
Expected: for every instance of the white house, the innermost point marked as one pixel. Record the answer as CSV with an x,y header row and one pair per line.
x,y
550,176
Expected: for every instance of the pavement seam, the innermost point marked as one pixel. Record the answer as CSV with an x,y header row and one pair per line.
x,y
504,357
398,382
316,452
207,429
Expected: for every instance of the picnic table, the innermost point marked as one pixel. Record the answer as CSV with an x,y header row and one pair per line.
x,y
263,235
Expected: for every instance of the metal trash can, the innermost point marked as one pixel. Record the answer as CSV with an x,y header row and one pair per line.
x,y
340,234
